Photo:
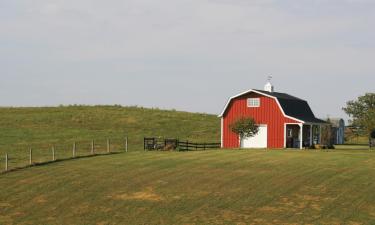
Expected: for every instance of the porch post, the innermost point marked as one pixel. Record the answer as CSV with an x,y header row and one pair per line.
x,y
284,135
301,136
320,134
311,135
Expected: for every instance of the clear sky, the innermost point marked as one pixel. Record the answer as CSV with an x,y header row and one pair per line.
x,y
185,54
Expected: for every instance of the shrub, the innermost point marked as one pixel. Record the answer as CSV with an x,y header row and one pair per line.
x,y
245,127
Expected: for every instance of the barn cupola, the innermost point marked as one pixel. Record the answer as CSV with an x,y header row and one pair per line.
x,y
269,87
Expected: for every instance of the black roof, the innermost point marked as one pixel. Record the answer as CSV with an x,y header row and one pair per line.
x,y
294,107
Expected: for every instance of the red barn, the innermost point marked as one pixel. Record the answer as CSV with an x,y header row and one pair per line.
x,y
284,121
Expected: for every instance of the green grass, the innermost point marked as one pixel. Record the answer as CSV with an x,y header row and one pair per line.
x,y
353,147
360,140
208,187
40,128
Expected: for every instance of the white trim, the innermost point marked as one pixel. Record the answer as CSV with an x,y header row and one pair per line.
x,y
284,135
320,134
285,125
270,96
222,132
301,136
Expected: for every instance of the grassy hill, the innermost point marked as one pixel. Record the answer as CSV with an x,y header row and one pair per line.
x,y
40,128
209,187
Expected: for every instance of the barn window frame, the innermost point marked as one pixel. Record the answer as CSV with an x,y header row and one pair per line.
x,y
253,102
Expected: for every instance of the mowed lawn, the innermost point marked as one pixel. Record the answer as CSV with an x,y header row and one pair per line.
x,y
208,187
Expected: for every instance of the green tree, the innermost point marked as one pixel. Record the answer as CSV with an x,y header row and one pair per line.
x,y
244,127
362,111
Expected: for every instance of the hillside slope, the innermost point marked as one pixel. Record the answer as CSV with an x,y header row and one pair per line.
x,y
40,128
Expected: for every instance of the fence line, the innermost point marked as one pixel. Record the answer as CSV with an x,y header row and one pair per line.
x,y
175,144
21,159
187,146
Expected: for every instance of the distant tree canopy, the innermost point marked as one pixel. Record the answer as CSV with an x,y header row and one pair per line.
x,y
362,111
244,127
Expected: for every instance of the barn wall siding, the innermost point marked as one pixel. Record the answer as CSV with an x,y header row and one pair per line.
x,y
268,113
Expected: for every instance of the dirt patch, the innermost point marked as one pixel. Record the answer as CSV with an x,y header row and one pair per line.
x,y
51,218
41,199
105,209
82,208
309,197
354,223
17,214
270,209
128,120
259,221
4,205
102,223
147,195
177,197
6,219
27,181
316,207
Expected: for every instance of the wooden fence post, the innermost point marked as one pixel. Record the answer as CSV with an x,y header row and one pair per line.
x,y
31,156
74,149
6,161
53,153
108,145
126,144
92,147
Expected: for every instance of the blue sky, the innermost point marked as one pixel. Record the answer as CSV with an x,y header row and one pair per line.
x,y
185,54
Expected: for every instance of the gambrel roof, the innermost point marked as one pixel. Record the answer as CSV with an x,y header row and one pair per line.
x,y
291,107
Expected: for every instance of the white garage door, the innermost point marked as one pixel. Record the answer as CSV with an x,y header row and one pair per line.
x,y
258,141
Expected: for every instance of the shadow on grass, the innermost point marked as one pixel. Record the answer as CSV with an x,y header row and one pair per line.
x,y
58,160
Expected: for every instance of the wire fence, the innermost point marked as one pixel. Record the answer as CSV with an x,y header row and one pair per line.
x,y
22,156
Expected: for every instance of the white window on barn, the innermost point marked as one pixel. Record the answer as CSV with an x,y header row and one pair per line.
x,y
253,102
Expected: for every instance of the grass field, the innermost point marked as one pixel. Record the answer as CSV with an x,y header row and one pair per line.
x,y
40,128
208,187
